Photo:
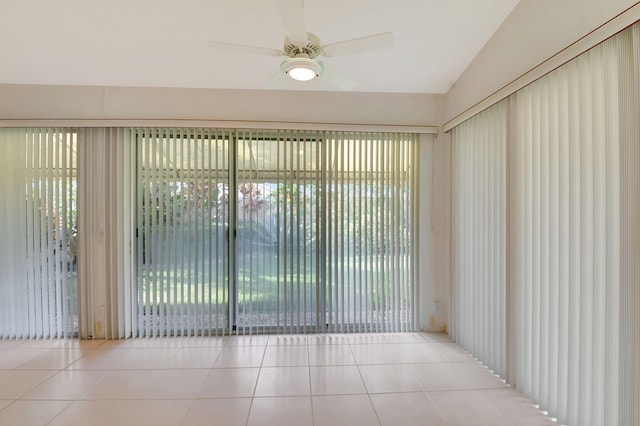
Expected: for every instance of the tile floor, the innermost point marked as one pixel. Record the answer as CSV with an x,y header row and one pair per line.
x,y
359,379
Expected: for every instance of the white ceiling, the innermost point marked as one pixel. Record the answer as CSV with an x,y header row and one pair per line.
x,y
163,43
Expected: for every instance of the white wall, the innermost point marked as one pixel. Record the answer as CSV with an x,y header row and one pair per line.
x,y
535,31
442,228
434,232
114,103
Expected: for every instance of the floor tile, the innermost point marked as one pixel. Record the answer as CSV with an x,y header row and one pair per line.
x,y
203,341
148,358
13,358
406,409
453,352
418,352
327,339
229,383
122,413
517,408
195,357
66,385
14,384
375,354
287,339
84,344
286,356
5,402
246,340
60,344
283,381
343,410
435,337
102,359
403,338
31,413
361,339
240,356
218,412
283,411
463,408
336,380
454,376
120,384
11,343
54,359
388,378
328,354
175,384
146,343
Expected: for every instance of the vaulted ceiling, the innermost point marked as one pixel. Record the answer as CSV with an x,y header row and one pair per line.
x,y
163,43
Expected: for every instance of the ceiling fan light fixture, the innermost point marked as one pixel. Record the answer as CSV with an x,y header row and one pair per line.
x,y
301,73
302,69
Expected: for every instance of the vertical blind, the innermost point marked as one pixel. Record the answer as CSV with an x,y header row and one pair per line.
x,y
572,214
278,184
478,320
630,239
206,231
566,238
370,193
182,221
38,278
274,231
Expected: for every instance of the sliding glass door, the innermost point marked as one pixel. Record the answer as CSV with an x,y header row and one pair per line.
x,y
274,231
369,219
278,177
183,222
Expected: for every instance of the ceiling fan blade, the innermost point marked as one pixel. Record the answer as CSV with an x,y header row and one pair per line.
x,y
359,45
337,77
241,48
292,12
277,81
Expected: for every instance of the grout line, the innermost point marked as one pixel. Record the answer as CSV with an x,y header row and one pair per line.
x,y
440,413
313,415
61,411
364,384
217,357
186,412
374,409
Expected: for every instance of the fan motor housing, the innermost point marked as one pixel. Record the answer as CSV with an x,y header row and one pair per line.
x,y
312,49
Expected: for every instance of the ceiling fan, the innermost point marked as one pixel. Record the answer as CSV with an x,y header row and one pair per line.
x,y
302,49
